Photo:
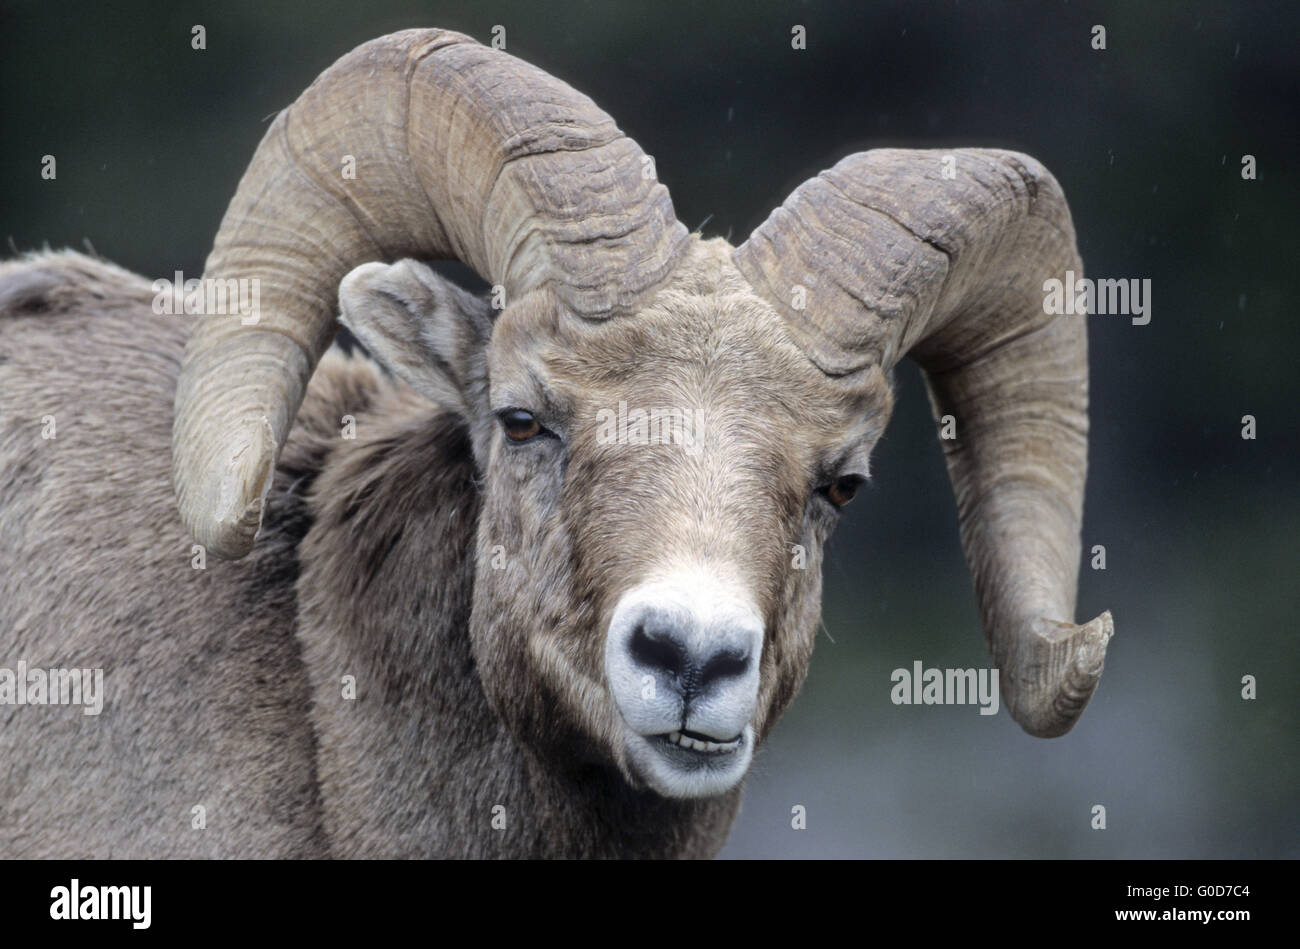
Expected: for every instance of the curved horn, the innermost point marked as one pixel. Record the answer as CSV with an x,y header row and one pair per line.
x,y
944,255
418,144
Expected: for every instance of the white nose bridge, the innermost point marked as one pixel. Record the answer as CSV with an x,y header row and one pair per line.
x,y
711,610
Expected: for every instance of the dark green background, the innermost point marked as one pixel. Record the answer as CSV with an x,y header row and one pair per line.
x,y
1146,137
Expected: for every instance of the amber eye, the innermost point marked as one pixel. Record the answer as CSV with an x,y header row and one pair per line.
x,y
520,425
841,491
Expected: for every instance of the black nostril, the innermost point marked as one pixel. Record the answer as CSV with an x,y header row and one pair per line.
x,y
665,654
724,665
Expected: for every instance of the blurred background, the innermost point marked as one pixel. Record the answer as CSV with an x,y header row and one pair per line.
x,y
1146,136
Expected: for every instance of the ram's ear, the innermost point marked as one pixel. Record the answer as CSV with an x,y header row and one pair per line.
x,y
422,328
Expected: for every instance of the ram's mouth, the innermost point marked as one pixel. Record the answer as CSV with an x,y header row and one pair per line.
x,y
688,764
703,744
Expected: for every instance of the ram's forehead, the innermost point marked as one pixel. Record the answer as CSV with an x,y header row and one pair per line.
x,y
729,350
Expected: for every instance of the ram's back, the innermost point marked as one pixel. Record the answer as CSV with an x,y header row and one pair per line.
x,y
205,700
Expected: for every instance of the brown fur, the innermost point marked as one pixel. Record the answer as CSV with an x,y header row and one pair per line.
x,y
475,686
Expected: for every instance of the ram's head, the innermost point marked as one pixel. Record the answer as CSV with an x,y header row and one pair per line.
x,y
666,427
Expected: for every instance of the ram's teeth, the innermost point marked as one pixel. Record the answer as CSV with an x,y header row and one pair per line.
x,y
696,744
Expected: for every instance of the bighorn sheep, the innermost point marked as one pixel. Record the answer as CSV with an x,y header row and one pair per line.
x,y
561,644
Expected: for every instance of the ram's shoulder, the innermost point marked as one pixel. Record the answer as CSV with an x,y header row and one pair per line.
x,y
55,283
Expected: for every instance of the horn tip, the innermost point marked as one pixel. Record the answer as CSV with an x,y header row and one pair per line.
x,y
232,494
1068,660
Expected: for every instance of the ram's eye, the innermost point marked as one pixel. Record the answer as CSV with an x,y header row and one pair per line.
x,y
841,491
520,425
